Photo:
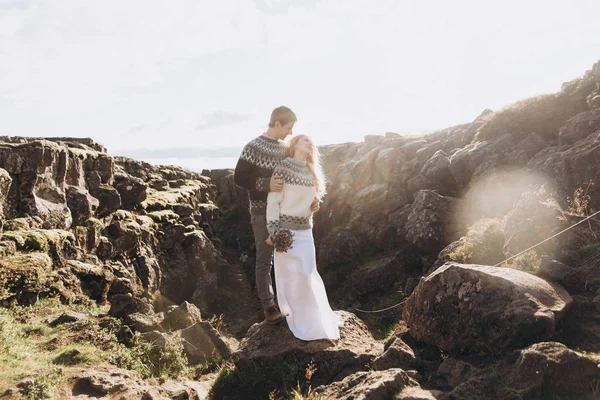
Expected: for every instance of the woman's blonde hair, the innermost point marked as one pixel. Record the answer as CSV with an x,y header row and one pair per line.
x,y
313,162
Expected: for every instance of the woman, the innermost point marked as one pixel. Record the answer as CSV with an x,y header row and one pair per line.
x,y
300,290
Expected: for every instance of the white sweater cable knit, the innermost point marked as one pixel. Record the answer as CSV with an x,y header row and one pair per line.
x,y
290,208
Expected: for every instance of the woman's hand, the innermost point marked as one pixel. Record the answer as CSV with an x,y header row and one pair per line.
x,y
269,241
315,206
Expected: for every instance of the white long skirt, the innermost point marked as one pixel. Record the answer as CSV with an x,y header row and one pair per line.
x,y
301,293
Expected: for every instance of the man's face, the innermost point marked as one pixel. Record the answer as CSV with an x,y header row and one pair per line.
x,y
285,130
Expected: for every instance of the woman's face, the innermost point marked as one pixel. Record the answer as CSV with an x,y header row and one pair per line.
x,y
305,145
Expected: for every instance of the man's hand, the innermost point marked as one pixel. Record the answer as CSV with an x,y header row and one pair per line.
x,y
315,206
276,183
269,241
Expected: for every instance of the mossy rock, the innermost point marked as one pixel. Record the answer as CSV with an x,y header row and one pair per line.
x,y
28,240
94,223
83,153
482,244
168,199
38,239
23,274
154,201
122,215
7,248
163,216
145,221
16,224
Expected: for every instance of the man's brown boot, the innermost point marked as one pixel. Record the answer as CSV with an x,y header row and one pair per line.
x,y
273,315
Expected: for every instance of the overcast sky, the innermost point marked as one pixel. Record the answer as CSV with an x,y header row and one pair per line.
x,y
198,73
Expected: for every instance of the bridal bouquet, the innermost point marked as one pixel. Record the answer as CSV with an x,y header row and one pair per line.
x,y
282,240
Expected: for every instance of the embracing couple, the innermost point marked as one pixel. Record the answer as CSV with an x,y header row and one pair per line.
x,y
286,185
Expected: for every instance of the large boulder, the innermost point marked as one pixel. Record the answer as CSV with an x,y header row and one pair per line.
x,y
270,357
551,367
182,316
202,343
397,355
25,277
483,309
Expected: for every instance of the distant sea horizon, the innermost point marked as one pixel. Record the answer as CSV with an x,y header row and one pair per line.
x,y
195,159
195,164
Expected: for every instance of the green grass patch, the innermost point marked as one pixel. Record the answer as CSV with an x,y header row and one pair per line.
x,y
482,244
528,262
590,250
287,378
30,347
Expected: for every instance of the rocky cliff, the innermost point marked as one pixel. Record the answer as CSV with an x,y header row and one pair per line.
x,y
79,225
434,227
124,277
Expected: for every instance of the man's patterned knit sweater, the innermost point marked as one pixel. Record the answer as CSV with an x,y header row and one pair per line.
x,y
290,208
255,167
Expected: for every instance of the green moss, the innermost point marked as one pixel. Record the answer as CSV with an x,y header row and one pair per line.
x,y
122,215
29,346
16,224
482,244
24,273
160,200
38,239
7,248
16,237
528,262
145,221
83,154
93,223
58,236
45,385
590,250
26,261
35,241
154,203
151,361
75,356
163,216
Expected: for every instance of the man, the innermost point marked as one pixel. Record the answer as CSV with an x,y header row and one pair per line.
x,y
254,172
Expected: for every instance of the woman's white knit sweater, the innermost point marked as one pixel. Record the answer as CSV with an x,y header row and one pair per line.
x,y
290,208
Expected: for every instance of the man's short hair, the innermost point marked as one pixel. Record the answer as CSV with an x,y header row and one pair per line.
x,y
282,114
